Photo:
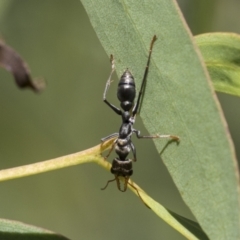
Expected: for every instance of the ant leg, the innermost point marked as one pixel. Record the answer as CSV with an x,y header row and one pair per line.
x,y
173,137
109,181
109,79
125,187
115,109
135,108
134,151
113,135
138,194
110,149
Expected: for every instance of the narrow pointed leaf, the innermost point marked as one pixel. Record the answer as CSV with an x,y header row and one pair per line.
x,y
192,226
221,53
179,100
12,230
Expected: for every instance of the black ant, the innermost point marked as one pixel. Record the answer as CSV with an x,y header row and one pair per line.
x,y
121,165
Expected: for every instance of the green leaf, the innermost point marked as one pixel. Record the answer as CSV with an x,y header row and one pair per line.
x,y
178,100
194,227
13,230
221,53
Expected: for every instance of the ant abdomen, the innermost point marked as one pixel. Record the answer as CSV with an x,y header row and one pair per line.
x,y
126,90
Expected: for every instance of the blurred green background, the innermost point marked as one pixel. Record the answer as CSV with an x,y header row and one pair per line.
x,y
57,40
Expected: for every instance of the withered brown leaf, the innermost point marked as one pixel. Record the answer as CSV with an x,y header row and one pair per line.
x,y
12,62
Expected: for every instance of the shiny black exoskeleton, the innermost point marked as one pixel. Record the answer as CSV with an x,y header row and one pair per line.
x,y
121,165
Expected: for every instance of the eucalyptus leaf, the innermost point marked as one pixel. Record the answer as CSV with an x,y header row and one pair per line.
x,y
179,100
221,53
12,230
192,226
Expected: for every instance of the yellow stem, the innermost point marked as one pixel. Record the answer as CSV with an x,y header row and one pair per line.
x,y
92,155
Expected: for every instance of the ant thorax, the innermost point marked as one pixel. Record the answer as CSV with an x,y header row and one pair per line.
x,y
121,142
